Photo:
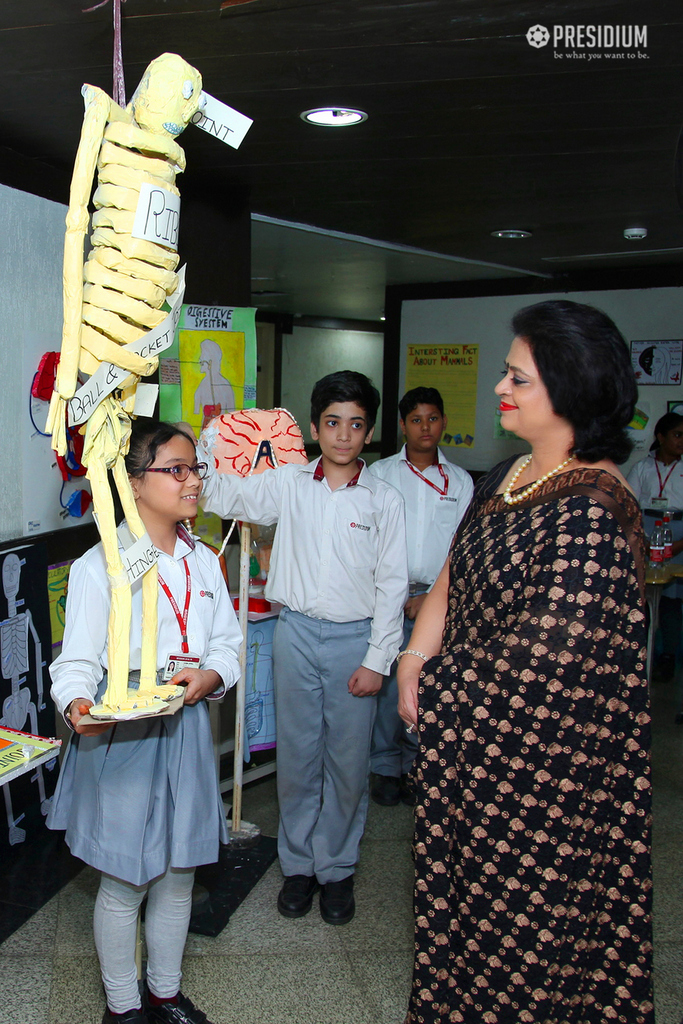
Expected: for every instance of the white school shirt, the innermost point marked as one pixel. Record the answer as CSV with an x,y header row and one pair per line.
x,y
431,518
645,482
337,555
213,631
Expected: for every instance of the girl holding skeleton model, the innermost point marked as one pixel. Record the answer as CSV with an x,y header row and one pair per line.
x,y
140,800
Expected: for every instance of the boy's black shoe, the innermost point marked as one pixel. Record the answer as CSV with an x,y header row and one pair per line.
x,y
296,895
129,1017
337,905
385,790
181,1012
664,668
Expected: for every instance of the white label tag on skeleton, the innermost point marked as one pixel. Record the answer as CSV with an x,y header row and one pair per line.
x,y
176,662
145,399
140,556
221,121
157,216
107,377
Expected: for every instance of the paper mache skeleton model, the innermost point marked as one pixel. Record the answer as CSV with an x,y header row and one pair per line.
x,y
113,319
114,328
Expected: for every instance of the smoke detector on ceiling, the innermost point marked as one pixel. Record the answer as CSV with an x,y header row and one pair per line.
x,y
635,234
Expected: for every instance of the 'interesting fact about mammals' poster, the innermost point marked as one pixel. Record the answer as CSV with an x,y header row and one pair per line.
x,y
452,369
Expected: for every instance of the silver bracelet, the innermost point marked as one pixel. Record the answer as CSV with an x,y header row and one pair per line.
x,y
408,650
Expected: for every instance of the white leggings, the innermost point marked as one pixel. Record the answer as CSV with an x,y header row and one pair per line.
x,y
169,904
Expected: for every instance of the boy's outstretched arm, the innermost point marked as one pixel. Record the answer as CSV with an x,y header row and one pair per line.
x,y
254,499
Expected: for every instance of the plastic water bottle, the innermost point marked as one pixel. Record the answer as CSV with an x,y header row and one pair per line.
x,y
668,538
657,546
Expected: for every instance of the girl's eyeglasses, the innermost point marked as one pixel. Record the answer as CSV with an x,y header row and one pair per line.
x,y
181,471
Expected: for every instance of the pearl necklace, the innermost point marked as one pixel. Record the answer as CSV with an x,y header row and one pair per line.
x,y
528,491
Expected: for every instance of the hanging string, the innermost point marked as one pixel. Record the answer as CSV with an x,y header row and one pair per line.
x,y
119,87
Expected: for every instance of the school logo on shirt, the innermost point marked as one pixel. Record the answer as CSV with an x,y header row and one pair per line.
x,y
359,526
206,593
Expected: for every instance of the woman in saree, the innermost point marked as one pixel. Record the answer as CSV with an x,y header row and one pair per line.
x,y
526,681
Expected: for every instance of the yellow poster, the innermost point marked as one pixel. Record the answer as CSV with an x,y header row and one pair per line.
x,y
57,580
212,373
211,366
452,370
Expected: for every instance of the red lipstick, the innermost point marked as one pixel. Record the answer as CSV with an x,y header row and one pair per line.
x,y
504,407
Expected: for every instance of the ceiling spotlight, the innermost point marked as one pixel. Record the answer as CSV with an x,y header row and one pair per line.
x,y
333,117
511,233
635,234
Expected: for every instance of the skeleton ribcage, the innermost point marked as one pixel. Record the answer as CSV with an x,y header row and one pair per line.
x,y
14,646
127,279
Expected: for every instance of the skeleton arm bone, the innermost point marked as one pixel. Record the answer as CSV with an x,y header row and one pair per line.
x,y
38,651
97,112
148,650
104,443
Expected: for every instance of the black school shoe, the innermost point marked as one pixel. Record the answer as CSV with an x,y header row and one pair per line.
x,y
129,1017
337,905
664,668
296,895
385,790
182,1012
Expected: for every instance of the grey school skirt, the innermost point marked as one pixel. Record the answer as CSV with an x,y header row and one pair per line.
x,y
142,796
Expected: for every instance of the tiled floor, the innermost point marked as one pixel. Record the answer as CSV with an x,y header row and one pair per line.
x,y
265,969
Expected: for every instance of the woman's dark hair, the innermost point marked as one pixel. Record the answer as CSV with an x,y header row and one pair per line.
x,y
669,421
345,386
419,396
585,365
146,438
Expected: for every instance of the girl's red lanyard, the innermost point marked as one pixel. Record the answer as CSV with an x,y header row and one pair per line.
x,y
659,476
439,490
182,619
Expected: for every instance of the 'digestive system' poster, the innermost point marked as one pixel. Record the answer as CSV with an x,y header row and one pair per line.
x,y
211,366
452,369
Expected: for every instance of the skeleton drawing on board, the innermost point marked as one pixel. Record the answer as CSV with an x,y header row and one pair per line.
x,y
19,707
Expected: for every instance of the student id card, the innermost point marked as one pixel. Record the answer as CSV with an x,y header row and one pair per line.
x,y
176,662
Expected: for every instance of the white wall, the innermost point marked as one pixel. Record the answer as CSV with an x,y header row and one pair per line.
x,y
31,244
310,353
640,315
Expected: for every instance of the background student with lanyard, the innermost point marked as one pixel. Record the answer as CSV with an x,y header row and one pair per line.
x,y
436,494
657,482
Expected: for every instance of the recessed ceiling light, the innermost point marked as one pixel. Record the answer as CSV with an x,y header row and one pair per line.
x,y
333,117
635,234
511,233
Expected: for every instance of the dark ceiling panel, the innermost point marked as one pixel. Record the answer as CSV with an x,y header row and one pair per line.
x,y
469,127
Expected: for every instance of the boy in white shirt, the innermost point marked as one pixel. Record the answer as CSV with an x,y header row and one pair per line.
x,y
339,568
436,493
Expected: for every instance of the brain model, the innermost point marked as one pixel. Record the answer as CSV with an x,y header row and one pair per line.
x,y
253,440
